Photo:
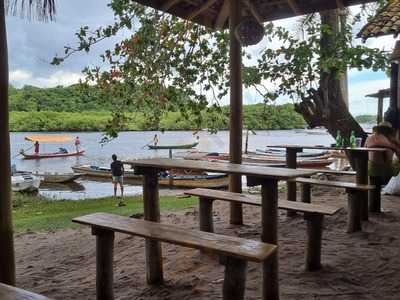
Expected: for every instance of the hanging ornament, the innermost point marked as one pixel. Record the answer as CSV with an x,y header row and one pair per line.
x,y
249,31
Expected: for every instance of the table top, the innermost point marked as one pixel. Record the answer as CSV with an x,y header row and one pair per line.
x,y
228,168
328,148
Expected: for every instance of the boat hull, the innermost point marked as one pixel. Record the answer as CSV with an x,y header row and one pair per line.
x,y
60,178
51,155
178,181
25,183
186,146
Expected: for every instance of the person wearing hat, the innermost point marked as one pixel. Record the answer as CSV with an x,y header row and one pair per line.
x,y
381,165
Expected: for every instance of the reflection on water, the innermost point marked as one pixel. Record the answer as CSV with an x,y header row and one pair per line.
x,y
130,145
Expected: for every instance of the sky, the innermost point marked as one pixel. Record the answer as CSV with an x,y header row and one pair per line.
x,y
32,45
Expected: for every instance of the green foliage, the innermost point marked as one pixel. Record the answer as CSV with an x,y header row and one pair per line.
x,y
258,116
366,119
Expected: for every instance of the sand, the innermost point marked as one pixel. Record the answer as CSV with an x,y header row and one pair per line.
x,y
364,265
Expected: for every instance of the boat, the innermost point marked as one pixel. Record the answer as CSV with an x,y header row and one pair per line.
x,y
24,182
181,180
50,139
282,152
182,146
60,178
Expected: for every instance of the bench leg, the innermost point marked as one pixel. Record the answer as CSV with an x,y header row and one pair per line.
x,y
235,279
354,211
206,214
104,263
314,241
374,196
306,192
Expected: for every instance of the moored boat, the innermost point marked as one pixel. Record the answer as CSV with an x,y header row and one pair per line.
x,y
182,146
208,180
60,177
51,155
24,182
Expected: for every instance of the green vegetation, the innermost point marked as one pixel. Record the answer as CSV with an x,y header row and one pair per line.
x,y
38,214
73,109
366,119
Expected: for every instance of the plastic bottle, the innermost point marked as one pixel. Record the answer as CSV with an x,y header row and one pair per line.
x,y
339,140
353,143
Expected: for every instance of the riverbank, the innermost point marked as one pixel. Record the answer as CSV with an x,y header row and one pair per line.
x,y
36,214
365,265
256,116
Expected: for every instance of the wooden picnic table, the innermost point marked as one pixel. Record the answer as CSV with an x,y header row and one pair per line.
x,y
359,156
268,177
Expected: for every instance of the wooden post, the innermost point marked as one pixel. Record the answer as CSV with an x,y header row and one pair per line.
x,y
379,117
206,214
235,278
151,201
291,162
374,196
306,192
361,165
269,234
354,211
236,103
104,263
314,241
7,259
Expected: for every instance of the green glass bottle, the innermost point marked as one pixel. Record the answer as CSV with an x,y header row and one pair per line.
x,y
339,140
353,143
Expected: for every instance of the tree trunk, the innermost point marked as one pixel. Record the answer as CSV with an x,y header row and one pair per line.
x,y
327,105
7,262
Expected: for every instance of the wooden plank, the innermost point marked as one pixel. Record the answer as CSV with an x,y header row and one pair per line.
x,y
256,201
229,168
294,7
222,15
167,5
220,244
333,172
337,184
12,293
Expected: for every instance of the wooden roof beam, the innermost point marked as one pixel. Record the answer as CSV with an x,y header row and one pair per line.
x,y
340,4
222,16
254,11
202,8
167,5
294,7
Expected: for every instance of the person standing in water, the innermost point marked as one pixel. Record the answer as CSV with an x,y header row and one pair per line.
x,y
155,140
117,171
37,146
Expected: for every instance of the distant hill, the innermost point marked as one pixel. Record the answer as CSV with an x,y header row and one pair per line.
x,y
366,119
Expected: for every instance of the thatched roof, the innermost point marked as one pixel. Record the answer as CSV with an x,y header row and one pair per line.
x,y
215,13
385,93
387,21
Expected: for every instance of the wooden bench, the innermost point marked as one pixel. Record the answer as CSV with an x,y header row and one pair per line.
x,y
236,251
8,292
313,214
353,191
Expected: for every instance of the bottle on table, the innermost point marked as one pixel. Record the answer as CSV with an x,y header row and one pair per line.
x,y
353,142
339,140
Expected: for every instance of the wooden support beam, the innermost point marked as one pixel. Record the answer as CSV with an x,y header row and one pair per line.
x,y
293,6
254,11
340,4
7,260
167,5
202,8
222,16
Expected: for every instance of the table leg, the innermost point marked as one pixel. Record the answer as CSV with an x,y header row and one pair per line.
x,y
269,223
151,201
361,164
374,196
291,162
236,209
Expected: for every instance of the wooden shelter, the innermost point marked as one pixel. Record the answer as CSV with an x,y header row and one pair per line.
x,y
380,95
216,14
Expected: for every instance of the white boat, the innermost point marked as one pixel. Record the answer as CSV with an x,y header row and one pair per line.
x,y
24,182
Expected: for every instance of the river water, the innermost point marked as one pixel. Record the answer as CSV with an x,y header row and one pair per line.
x,y
130,145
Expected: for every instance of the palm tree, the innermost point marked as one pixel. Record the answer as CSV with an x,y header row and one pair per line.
x,y
42,10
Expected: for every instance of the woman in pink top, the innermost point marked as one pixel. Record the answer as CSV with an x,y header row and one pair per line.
x,y
381,165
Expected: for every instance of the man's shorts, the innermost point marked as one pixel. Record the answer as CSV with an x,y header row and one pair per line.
x,y
118,179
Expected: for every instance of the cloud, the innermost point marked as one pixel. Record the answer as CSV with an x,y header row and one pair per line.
x,y
19,78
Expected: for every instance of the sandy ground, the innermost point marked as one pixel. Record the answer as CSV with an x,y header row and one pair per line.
x,y
364,265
